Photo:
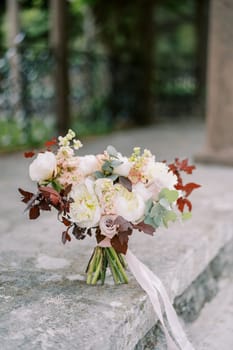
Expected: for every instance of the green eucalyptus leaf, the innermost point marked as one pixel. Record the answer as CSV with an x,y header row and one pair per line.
x,y
157,221
187,215
112,177
170,216
107,168
164,203
115,163
112,151
157,211
149,221
98,174
148,206
170,195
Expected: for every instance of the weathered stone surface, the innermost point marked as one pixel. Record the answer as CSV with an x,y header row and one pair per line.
x,y
213,330
45,303
189,305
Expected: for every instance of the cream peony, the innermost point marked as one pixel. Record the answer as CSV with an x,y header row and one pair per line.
x,y
141,189
85,209
43,167
129,205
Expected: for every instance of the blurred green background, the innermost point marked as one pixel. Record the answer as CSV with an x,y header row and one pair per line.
x,y
98,66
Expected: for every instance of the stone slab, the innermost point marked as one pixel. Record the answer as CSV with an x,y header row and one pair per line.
x,y
213,330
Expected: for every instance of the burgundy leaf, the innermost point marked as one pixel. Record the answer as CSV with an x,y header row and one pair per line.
x,y
67,190
54,199
150,230
116,244
26,195
124,181
123,224
51,194
43,205
65,221
124,236
34,212
79,232
89,233
47,191
99,237
65,237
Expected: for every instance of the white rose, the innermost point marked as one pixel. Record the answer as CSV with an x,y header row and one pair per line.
x,y
124,168
87,165
129,205
162,178
85,209
43,167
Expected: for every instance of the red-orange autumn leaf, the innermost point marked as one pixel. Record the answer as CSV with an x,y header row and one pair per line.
x,y
29,154
51,142
181,202
183,166
65,221
188,188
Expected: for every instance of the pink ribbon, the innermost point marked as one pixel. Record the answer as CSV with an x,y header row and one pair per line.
x,y
155,289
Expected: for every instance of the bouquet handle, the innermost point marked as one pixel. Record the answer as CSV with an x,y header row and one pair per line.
x,y
155,289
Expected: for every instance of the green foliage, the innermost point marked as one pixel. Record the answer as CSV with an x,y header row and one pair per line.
x,y
109,165
170,195
91,127
155,215
160,213
186,216
169,216
35,23
15,134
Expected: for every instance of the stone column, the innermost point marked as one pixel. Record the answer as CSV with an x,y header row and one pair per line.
x,y
219,125
13,30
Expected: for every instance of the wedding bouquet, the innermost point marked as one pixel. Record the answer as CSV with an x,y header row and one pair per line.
x,y
107,195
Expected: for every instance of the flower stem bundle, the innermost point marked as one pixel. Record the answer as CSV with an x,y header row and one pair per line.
x,y
101,259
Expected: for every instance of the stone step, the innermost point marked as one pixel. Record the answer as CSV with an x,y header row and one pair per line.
x,y
46,305
44,302
213,330
214,283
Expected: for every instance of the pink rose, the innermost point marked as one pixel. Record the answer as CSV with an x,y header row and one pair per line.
x,y
107,226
